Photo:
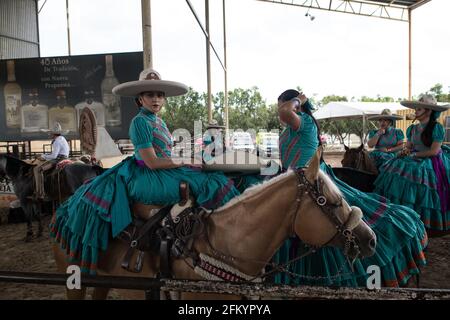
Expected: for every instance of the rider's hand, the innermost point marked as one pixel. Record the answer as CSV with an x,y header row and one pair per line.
x,y
405,152
302,97
381,132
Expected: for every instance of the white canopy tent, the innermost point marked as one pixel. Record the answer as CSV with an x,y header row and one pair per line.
x,y
355,110
349,110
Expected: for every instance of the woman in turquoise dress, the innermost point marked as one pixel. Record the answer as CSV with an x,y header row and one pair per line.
x,y
420,178
401,236
101,208
387,141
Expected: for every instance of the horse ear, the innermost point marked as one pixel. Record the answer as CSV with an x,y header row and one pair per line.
x,y
346,148
361,147
313,169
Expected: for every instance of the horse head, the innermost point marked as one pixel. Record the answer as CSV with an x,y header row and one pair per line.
x,y
323,217
358,158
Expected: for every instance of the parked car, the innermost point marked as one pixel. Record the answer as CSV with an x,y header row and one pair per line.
x,y
242,141
267,144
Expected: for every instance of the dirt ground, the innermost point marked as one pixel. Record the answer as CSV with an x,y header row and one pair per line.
x,y
36,256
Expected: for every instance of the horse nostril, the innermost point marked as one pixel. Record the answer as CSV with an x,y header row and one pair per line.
x,y
372,243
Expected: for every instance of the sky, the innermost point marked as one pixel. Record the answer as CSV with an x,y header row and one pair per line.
x,y
271,46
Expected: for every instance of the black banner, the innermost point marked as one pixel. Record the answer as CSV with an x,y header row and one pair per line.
x,y
35,93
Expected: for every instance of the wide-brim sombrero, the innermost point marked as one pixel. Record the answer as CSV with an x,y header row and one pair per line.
x,y
385,114
150,80
426,101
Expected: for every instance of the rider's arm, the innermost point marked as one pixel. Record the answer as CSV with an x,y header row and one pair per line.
x,y
56,147
437,138
434,150
153,162
372,142
286,112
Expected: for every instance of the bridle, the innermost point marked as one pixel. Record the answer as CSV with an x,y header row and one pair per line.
x,y
315,192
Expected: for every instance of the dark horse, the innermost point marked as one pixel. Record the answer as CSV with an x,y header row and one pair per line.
x,y
20,174
358,158
358,179
358,170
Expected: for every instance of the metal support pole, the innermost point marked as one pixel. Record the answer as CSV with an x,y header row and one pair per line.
x,y
208,62
225,93
147,33
409,55
68,27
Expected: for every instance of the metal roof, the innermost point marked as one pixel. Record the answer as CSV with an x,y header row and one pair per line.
x,y
386,9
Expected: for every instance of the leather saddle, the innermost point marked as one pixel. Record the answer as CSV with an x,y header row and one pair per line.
x,y
153,230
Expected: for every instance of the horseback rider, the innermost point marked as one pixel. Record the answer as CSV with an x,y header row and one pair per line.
x,y
60,151
387,140
420,178
150,177
400,233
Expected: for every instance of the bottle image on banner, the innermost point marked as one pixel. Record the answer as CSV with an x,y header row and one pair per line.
x,y
13,97
34,115
62,112
97,107
110,101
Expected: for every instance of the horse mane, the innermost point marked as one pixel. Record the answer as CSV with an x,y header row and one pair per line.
x,y
331,191
368,163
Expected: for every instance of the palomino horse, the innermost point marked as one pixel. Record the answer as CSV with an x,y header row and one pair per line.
x,y
358,158
21,175
246,232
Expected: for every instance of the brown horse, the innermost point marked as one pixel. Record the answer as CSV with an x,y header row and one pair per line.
x,y
246,232
358,158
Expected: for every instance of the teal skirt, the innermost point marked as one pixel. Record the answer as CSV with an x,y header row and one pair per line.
x,y
100,209
401,239
412,183
379,157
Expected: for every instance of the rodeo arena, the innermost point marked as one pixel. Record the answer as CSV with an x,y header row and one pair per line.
x,y
100,196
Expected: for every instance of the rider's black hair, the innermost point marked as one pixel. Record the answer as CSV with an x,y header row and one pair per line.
x,y
427,134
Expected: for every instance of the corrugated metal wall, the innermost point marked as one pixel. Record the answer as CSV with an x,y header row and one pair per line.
x,y
19,37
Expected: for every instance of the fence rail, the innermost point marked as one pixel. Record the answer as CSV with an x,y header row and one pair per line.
x,y
217,287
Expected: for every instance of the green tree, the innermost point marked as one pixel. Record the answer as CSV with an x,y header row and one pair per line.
x,y
182,111
438,92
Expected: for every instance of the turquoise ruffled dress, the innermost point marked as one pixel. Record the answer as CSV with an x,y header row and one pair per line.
x,y
100,209
390,139
401,236
412,182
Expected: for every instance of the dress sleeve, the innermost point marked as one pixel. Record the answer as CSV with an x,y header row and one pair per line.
x,y
438,133
141,133
408,133
400,135
306,122
372,133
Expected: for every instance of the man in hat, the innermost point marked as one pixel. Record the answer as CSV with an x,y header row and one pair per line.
x,y
60,147
387,140
60,151
420,179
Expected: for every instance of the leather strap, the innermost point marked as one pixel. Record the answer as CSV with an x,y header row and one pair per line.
x,y
184,193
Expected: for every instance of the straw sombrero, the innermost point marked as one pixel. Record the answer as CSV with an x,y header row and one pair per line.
x,y
426,101
386,114
214,125
57,129
150,80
